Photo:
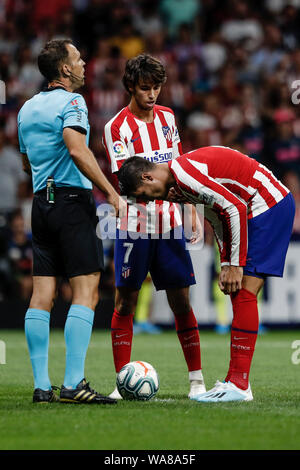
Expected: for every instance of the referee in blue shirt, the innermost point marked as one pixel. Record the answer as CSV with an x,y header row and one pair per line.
x,y
53,134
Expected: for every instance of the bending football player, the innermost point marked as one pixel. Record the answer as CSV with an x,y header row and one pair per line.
x,y
252,215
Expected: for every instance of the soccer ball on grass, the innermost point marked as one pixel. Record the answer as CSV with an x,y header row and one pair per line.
x,y
138,380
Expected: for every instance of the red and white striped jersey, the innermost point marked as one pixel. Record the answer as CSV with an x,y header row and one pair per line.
x,y
233,188
158,141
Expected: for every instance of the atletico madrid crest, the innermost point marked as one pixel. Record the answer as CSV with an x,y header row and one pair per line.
x,y
167,133
125,272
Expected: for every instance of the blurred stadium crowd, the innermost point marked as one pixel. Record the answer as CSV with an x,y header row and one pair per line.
x,y
232,70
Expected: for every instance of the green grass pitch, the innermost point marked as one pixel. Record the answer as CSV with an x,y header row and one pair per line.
x,y
169,422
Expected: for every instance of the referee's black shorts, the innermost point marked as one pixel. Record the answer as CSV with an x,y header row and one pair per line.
x,y
64,236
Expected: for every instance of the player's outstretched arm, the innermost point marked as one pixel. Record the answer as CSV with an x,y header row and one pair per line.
x,y
85,160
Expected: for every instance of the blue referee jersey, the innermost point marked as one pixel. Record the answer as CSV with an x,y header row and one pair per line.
x,y
41,121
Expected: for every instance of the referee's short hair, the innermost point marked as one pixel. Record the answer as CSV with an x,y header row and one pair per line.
x,y
130,174
51,56
143,69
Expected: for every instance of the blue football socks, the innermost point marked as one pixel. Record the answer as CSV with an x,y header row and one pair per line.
x,y
78,329
37,336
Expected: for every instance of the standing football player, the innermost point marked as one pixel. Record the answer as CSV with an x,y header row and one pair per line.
x,y
252,215
147,240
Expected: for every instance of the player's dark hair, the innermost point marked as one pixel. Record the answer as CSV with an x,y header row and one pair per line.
x,y
130,174
51,56
143,69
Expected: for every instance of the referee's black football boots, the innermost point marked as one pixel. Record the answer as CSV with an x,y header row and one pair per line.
x,y
84,394
45,396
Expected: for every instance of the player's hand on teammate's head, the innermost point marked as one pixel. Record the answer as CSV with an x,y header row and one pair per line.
x,y
122,207
119,204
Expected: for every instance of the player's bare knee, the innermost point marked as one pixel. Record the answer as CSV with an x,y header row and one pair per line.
x,y
179,302
252,284
89,298
125,306
85,290
181,309
44,292
41,302
126,301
